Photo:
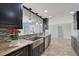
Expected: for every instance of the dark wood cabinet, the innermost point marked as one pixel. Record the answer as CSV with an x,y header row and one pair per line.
x,y
47,41
75,45
20,52
37,48
45,24
76,20
37,51
29,50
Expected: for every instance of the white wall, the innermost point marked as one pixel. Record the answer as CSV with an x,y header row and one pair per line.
x,y
25,19
66,21
30,28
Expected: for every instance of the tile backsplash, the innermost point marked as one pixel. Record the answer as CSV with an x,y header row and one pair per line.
x,y
30,35
3,35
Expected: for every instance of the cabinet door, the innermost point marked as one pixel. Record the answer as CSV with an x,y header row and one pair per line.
x,y
37,51
21,52
46,42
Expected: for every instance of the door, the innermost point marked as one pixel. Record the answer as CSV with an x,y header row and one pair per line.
x,y
60,32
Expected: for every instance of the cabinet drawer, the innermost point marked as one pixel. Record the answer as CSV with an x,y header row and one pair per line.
x,y
37,51
20,52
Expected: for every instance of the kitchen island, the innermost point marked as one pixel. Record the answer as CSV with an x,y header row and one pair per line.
x,y
12,50
28,47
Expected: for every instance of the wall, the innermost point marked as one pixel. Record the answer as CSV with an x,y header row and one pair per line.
x,y
30,28
66,21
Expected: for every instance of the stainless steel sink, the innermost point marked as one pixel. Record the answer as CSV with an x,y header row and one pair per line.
x,y
34,38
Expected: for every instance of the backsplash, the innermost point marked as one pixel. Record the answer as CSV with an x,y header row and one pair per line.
x,y
30,35
3,35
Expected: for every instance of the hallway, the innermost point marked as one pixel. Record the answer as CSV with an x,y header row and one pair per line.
x,y
59,47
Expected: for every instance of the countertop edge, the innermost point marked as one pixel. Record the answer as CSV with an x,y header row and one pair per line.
x,y
28,42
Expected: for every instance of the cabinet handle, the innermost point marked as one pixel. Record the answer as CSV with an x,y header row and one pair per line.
x,y
19,53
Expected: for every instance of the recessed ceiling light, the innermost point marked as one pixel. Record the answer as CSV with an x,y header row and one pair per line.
x,y
72,12
36,23
30,21
45,11
50,16
40,24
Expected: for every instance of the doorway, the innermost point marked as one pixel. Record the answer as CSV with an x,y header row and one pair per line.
x,y
60,32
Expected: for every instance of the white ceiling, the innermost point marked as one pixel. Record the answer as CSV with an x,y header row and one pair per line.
x,y
54,9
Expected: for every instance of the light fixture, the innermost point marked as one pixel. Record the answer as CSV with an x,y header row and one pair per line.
x,y
50,16
45,11
36,23
40,24
30,21
72,12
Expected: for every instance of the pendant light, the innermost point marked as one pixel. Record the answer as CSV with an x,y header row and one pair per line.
x,y
37,23
30,21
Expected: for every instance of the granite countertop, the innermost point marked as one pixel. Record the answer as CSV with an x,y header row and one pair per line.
x,y
44,35
23,43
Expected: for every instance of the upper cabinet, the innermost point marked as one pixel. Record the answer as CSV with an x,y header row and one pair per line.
x,y
76,20
45,24
11,15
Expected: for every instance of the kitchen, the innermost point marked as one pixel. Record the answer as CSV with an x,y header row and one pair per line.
x,y
39,29
23,32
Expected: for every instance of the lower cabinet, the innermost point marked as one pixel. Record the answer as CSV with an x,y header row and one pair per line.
x,y
28,51
47,41
73,42
21,52
75,45
37,51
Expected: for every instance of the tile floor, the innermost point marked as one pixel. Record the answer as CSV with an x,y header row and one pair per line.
x,y
59,47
